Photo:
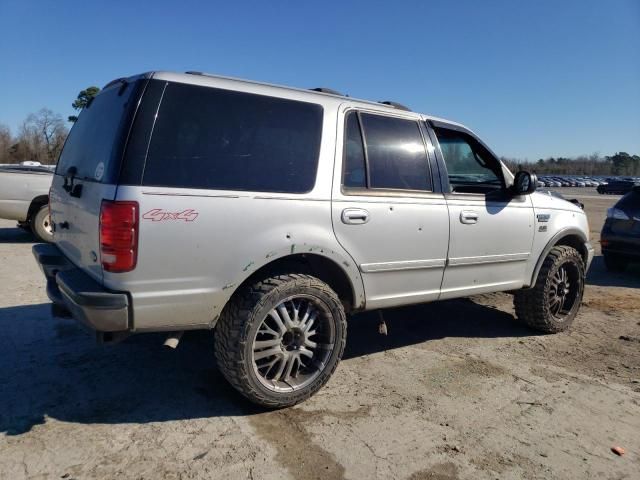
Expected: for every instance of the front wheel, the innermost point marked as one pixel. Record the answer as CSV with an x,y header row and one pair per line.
x,y
279,340
41,225
553,302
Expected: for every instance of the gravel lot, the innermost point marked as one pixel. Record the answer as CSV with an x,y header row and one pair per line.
x,y
457,390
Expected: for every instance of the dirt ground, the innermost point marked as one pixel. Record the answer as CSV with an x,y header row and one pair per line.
x,y
457,390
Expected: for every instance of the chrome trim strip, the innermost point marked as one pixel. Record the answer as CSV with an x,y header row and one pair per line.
x,y
509,257
176,194
404,265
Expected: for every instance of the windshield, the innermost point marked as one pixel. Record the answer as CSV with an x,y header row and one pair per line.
x,y
94,139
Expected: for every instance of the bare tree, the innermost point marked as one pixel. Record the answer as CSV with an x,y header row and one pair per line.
x,y
6,141
41,137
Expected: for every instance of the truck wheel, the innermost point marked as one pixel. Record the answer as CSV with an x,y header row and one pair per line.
x,y
41,225
614,263
553,302
279,340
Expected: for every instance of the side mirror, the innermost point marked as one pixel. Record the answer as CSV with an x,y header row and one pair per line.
x,y
525,183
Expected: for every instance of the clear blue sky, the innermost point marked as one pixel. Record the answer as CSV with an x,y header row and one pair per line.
x,y
533,79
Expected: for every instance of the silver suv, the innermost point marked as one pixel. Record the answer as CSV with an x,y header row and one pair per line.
x,y
190,201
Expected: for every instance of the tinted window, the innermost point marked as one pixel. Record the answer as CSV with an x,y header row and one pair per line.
x,y
355,175
631,201
220,139
466,165
396,154
93,143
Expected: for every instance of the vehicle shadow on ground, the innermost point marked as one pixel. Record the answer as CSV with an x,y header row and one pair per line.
x,y
53,368
16,235
600,276
420,323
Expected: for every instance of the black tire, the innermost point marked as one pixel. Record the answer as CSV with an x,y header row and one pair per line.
x,y
614,263
246,313
535,306
41,225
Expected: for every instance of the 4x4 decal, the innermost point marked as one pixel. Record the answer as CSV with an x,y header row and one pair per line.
x,y
158,215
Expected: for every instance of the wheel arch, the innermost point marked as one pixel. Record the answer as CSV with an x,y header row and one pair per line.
x,y
571,237
35,205
349,288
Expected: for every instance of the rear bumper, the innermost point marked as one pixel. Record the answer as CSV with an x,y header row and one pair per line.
x,y
69,288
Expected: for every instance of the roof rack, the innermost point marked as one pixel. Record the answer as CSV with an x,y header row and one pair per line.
x,y
327,90
397,105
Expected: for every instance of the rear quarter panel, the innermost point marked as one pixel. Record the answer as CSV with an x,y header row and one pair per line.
x,y
197,246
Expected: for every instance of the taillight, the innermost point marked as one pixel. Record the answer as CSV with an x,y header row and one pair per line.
x,y
118,235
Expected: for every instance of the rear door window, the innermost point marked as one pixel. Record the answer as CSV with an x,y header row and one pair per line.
x,y
94,143
355,173
392,154
220,139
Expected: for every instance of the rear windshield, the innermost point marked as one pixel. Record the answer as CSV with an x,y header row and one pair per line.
x,y
219,139
631,201
93,143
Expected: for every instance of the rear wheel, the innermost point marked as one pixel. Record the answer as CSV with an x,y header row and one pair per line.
x,y
553,302
614,263
280,340
41,224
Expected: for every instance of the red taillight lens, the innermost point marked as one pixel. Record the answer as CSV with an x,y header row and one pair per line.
x,y
118,235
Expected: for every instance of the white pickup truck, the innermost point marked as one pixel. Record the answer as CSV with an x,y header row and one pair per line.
x,y
24,197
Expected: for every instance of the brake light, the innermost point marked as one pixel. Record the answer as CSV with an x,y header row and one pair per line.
x,y
118,235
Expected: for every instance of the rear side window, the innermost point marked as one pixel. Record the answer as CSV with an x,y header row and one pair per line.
x,y
219,139
393,157
93,145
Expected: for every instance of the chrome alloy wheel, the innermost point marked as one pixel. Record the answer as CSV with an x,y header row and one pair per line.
x,y
564,291
293,343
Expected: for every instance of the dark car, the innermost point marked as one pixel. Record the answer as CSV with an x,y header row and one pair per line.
x,y
619,187
620,237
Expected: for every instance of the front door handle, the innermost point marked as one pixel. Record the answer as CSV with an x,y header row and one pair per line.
x,y
468,217
355,216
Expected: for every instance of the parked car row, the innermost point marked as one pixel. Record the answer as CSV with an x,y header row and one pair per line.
x,y
604,185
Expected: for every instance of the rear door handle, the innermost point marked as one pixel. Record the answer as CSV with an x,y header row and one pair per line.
x,y
468,217
355,216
